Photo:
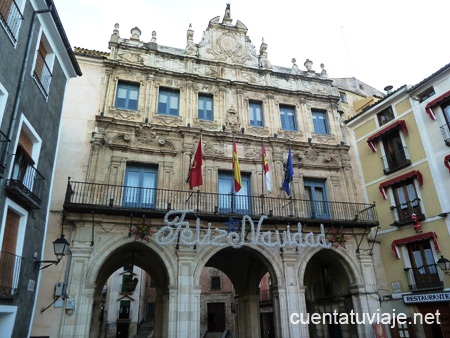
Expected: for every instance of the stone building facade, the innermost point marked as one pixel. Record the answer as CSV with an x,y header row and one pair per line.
x,y
131,131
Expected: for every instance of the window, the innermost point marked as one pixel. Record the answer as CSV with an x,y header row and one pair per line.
x,y
168,103
215,283
124,310
385,116
127,95
320,122
423,273
140,184
256,113
234,202
12,233
343,97
426,94
205,107
395,153
406,201
3,98
11,18
42,72
287,116
26,182
445,128
316,197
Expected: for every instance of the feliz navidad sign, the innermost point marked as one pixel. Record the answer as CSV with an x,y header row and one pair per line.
x,y
178,230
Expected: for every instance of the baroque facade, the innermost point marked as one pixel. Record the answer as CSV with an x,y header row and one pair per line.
x,y
402,143
131,128
36,62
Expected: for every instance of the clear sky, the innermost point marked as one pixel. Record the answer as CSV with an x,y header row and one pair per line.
x,y
381,43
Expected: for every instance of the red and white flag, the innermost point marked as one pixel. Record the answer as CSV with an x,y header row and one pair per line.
x,y
266,170
195,174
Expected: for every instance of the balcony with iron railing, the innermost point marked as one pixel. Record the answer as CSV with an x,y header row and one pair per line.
x,y
4,140
265,297
395,160
26,183
403,212
126,200
424,278
445,131
9,274
11,18
42,74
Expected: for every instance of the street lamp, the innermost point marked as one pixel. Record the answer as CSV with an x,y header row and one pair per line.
x,y
60,247
444,264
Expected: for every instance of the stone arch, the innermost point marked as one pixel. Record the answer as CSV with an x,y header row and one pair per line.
x,y
246,267
114,254
347,262
270,257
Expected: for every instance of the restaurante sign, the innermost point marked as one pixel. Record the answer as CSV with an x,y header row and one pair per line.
x,y
178,230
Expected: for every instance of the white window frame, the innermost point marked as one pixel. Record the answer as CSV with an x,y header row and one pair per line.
x,y
7,319
49,58
3,99
393,203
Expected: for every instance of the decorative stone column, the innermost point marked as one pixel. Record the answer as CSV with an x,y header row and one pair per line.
x,y
77,325
295,301
188,299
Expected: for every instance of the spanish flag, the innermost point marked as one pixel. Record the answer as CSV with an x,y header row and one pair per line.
x,y
236,169
266,170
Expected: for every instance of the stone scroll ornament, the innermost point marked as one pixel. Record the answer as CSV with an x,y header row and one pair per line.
x,y
177,230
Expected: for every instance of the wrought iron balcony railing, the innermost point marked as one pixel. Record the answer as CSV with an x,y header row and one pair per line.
x,y
11,18
42,73
82,196
424,277
396,160
445,130
9,274
26,183
3,144
405,210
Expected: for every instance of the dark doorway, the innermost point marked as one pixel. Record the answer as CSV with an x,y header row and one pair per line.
x,y
122,330
216,317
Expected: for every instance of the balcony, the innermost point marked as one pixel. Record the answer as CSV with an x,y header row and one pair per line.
x,y
11,18
123,200
42,74
9,274
445,131
265,298
424,278
26,183
3,144
395,160
405,210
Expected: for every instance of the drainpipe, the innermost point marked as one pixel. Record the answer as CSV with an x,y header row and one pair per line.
x,y
23,71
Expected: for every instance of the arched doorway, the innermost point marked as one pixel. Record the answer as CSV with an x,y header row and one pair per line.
x,y
127,260
246,268
328,290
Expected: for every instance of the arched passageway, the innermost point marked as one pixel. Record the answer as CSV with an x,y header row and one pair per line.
x,y
127,257
246,269
328,284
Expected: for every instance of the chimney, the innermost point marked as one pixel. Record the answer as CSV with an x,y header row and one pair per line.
x,y
388,89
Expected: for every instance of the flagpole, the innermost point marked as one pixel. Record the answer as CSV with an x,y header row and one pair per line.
x,y
232,161
198,187
263,165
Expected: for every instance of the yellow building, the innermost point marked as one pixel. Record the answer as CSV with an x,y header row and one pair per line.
x,y
402,145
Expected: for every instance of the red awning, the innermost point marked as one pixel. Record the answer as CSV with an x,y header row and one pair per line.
x,y
415,238
413,173
447,162
385,130
435,102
